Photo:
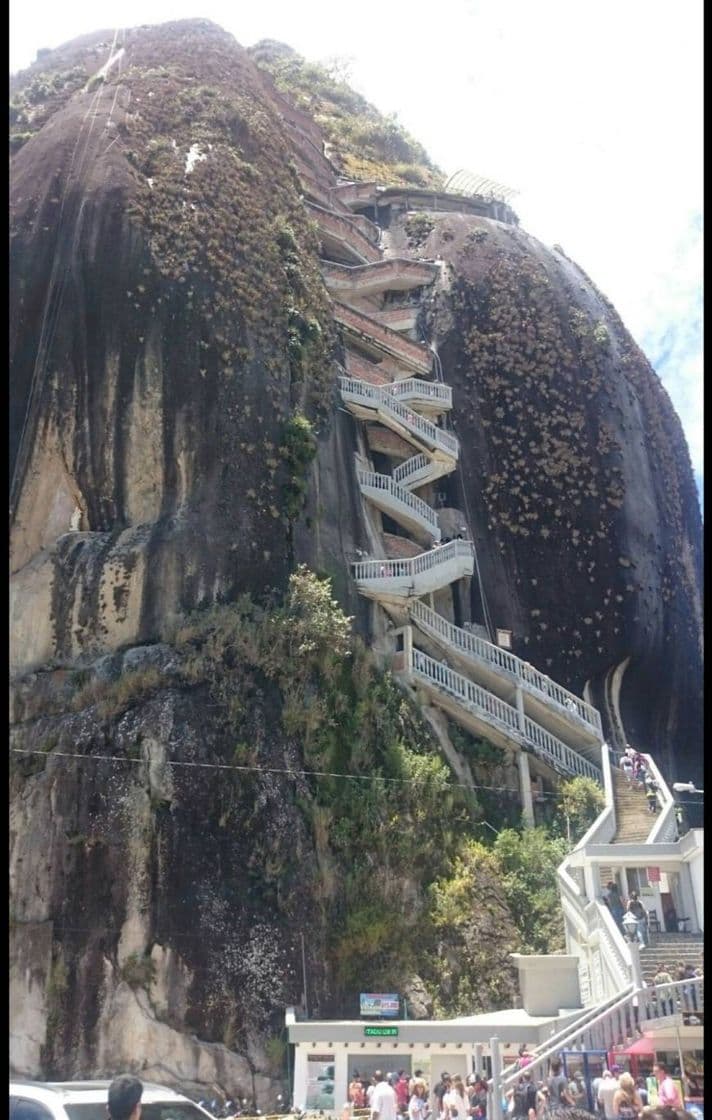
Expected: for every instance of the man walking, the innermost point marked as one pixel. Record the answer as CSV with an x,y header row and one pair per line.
x,y
384,1102
607,1090
124,1102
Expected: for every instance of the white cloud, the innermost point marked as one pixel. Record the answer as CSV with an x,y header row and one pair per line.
x,y
593,110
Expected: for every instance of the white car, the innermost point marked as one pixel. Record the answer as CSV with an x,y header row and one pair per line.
x,y
86,1100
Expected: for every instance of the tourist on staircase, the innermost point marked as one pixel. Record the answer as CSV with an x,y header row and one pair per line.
x,y
614,903
636,909
663,996
689,992
651,793
607,1090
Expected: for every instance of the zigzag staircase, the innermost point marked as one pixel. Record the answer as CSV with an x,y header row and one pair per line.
x,y
389,387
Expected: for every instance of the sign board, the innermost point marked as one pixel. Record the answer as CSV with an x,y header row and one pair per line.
x,y
380,1005
380,1032
653,874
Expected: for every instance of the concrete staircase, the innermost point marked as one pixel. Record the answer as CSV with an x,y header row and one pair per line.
x,y
668,949
633,818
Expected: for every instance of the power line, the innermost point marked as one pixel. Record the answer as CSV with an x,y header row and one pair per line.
x,y
282,770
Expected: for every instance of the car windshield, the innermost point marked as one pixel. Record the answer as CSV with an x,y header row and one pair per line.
x,y
157,1110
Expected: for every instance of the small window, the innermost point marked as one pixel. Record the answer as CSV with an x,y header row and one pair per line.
x,y
23,1109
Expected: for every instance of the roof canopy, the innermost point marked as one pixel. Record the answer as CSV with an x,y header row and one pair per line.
x,y
467,182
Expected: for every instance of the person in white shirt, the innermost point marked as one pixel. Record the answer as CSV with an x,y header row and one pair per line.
x,y
384,1102
608,1088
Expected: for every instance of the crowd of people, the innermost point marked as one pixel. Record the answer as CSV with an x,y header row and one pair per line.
x,y
615,1093
635,767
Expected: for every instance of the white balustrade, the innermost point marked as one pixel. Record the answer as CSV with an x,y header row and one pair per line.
x,y
373,396
479,648
414,471
557,754
414,388
407,569
399,495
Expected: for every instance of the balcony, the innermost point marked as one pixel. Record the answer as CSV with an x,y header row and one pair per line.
x,y
412,513
381,341
425,396
552,706
402,579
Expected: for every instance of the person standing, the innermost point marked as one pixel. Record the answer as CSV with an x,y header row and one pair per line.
x,y
124,1098
558,1086
607,1091
615,902
439,1091
356,1092
636,908
662,981
418,1108
384,1102
668,1093
627,1105
456,1103
402,1094
371,1089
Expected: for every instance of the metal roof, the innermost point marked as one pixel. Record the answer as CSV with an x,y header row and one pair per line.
x,y
468,182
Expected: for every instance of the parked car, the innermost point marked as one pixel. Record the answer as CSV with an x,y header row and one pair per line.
x,y
86,1100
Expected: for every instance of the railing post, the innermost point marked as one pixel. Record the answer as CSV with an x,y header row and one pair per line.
x,y
494,1112
636,972
519,701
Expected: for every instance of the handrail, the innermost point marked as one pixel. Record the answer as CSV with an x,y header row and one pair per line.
x,y
557,754
414,387
486,651
665,826
411,466
386,484
379,398
368,230
426,561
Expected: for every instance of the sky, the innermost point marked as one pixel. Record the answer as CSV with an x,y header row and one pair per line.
x,y
591,109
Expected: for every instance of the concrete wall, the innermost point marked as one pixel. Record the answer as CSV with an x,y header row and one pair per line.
x,y
548,983
697,879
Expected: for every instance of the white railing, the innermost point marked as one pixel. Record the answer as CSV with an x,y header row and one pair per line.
x,y
400,496
414,467
483,650
470,695
414,388
407,569
373,396
547,747
665,827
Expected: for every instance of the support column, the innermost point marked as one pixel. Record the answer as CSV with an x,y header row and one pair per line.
x,y
408,648
341,1078
299,1094
494,1110
479,1051
519,704
525,787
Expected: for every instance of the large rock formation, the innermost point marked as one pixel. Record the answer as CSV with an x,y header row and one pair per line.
x,y
176,443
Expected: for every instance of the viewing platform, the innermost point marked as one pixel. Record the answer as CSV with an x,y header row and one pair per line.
x,y
403,579
396,274
412,513
483,713
560,711
360,196
363,400
380,341
425,396
341,238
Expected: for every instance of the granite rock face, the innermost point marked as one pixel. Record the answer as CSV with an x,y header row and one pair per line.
x,y
169,323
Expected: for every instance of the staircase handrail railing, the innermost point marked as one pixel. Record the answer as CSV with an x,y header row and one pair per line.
x,y
562,758
388,485
502,659
366,227
665,827
410,467
382,398
416,387
405,349
425,561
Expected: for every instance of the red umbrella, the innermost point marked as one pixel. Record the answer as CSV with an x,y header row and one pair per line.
x,y
640,1046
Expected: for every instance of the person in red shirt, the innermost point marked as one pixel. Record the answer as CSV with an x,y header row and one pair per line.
x,y
401,1088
